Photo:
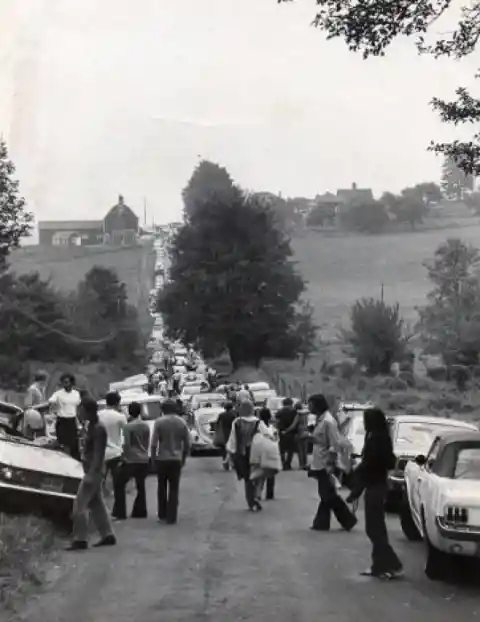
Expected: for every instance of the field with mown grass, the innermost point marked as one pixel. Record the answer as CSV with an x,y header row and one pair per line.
x,y
340,269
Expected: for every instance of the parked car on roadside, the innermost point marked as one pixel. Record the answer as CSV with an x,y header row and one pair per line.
x,y
37,478
202,424
412,435
200,400
441,503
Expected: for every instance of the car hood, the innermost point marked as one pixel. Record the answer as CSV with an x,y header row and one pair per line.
x,y
461,492
34,458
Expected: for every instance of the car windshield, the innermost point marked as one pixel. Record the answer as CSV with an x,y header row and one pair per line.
x,y
419,434
468,464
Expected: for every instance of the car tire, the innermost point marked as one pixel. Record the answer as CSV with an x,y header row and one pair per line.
x,y
436,562
410,530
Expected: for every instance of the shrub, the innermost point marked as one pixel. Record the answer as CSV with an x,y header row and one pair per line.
x,y
376,335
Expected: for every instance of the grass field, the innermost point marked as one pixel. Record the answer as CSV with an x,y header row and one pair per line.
x,y
342,269
67,266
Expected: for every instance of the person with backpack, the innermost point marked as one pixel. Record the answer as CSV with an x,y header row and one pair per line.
x,y
371,477
244,428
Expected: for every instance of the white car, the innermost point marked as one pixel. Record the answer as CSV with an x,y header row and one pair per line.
x,y
34,477
202,428
202,399
442,500
189,390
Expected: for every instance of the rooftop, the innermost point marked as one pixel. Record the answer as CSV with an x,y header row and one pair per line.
x,y
69,225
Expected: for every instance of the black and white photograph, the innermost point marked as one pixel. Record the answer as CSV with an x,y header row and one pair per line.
x,y
239,310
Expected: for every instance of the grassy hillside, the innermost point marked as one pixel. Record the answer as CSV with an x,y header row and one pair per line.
x,y
342,269
67,266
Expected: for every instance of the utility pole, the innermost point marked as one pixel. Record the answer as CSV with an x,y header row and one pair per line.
x,y
382,294
144,212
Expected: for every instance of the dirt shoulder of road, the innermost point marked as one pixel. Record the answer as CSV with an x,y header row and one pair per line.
x,y
27,544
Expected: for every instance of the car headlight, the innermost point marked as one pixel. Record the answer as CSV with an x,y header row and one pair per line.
x,y
6,473
456,515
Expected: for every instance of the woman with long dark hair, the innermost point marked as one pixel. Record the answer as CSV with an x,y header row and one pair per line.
x,y
371,476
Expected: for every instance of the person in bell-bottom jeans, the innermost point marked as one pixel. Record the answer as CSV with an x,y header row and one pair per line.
x,y
89,499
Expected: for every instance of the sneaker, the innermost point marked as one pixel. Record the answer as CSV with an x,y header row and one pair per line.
x,y
107,541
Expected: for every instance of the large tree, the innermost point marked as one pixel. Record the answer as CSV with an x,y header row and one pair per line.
x,y
455,182
208,180
233,285
370,26
15,221
100,313
450,321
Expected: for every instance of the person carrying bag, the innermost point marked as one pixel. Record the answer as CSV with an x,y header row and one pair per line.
x,y
265,460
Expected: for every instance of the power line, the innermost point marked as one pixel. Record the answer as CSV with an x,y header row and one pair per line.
x,y
56,331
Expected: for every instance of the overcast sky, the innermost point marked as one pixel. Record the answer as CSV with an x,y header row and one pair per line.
x,y
101,97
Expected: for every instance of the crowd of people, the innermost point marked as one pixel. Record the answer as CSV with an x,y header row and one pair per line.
x,y
254,443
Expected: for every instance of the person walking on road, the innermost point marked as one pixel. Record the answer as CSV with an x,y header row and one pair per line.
x,y
371,476
222,432
114,421
326,441
265,415
136,443
89,498
64,404
170,446
244,428
287,429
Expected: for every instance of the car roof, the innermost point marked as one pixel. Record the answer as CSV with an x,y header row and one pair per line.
x,y
432,419
453,436
137,397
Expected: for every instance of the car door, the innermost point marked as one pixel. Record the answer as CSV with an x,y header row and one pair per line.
x,y
422,485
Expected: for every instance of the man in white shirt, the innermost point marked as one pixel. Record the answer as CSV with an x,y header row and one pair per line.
x,y
114,421
64,404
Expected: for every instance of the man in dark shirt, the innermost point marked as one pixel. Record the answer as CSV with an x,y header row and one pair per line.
x,y
285,418
136,442
170,447
90,493
224,424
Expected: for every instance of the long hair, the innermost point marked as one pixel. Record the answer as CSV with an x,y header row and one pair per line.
x,y
376,426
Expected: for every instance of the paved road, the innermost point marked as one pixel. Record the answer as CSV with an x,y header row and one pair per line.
x,y
221,563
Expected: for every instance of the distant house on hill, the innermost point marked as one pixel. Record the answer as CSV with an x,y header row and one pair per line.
x,y
353,196
119,228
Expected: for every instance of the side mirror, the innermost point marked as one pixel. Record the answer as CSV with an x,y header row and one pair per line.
x,y
421,460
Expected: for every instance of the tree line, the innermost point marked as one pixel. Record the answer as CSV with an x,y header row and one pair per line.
x,y
94,322
410,206
234,288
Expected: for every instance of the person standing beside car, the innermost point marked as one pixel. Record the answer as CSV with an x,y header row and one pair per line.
x,y
371,476
34,423
286,419
64,404
170,446
114,421
89,499
223,430
136,441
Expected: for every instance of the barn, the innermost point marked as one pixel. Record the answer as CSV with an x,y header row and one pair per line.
x,y
119,228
